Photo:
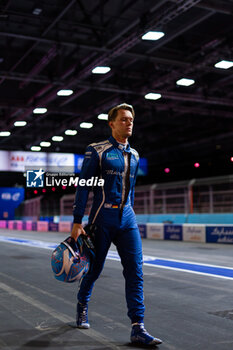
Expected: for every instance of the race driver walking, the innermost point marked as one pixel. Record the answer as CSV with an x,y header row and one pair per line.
x,y
112,212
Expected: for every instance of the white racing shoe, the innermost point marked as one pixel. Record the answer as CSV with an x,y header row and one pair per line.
x,y
139,335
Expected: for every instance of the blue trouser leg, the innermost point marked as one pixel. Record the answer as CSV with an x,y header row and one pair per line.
x,y
103,242
129,246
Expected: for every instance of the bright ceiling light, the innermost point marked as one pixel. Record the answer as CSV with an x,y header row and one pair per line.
x,y
86,125
5,133
35,148
39,110
152,96
20,123
71,132
103,116
101,70
65,92
185,82
153,35
37,11
57,138
224,64
45,144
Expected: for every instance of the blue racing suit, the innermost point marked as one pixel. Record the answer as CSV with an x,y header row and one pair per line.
x,y
114,217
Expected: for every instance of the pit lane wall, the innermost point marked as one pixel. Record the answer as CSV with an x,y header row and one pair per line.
x,y
203,233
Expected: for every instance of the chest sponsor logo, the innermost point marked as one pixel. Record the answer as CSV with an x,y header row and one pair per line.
x,y
112,155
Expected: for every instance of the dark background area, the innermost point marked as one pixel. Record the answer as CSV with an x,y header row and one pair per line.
x,y
58,48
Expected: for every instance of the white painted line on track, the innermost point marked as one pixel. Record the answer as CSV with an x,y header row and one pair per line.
x,y
170,264
62,300
97,336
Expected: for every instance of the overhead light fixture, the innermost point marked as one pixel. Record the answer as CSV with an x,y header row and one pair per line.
x,y
70,132
153,35
57,138
103,116
152,96
20,123
39,110
224,64
185,82
37,11
101,70
86,125
35,148
65,92
45,144
5,133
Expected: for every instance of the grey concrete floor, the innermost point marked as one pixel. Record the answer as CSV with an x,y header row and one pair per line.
x,y
188,311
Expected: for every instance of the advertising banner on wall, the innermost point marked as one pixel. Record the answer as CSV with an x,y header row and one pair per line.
x,y
219,234
173,232
20,161
194,233
155,231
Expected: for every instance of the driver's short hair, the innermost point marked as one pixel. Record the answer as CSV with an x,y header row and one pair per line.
x,y
112,114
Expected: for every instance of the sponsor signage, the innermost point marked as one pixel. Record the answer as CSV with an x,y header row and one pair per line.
x,y
18,225
155,231
11,224
2,223
53,226
219,234
64,226
29,225
173,232
194,233
20,160
34,226
42,226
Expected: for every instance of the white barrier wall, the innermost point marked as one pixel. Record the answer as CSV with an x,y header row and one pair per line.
x,y
186,232
155,231
194,233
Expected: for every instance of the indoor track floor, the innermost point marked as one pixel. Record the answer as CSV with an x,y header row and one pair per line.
x,y
188,308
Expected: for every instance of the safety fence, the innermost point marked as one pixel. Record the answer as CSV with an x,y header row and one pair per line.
x,y
206,195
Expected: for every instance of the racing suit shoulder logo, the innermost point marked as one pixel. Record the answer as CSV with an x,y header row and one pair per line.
x,y
101,146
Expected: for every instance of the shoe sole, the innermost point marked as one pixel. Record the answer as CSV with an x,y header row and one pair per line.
x,y
139,342
83,327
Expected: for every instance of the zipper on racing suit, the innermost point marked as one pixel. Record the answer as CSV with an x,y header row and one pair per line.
x,y
125,180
